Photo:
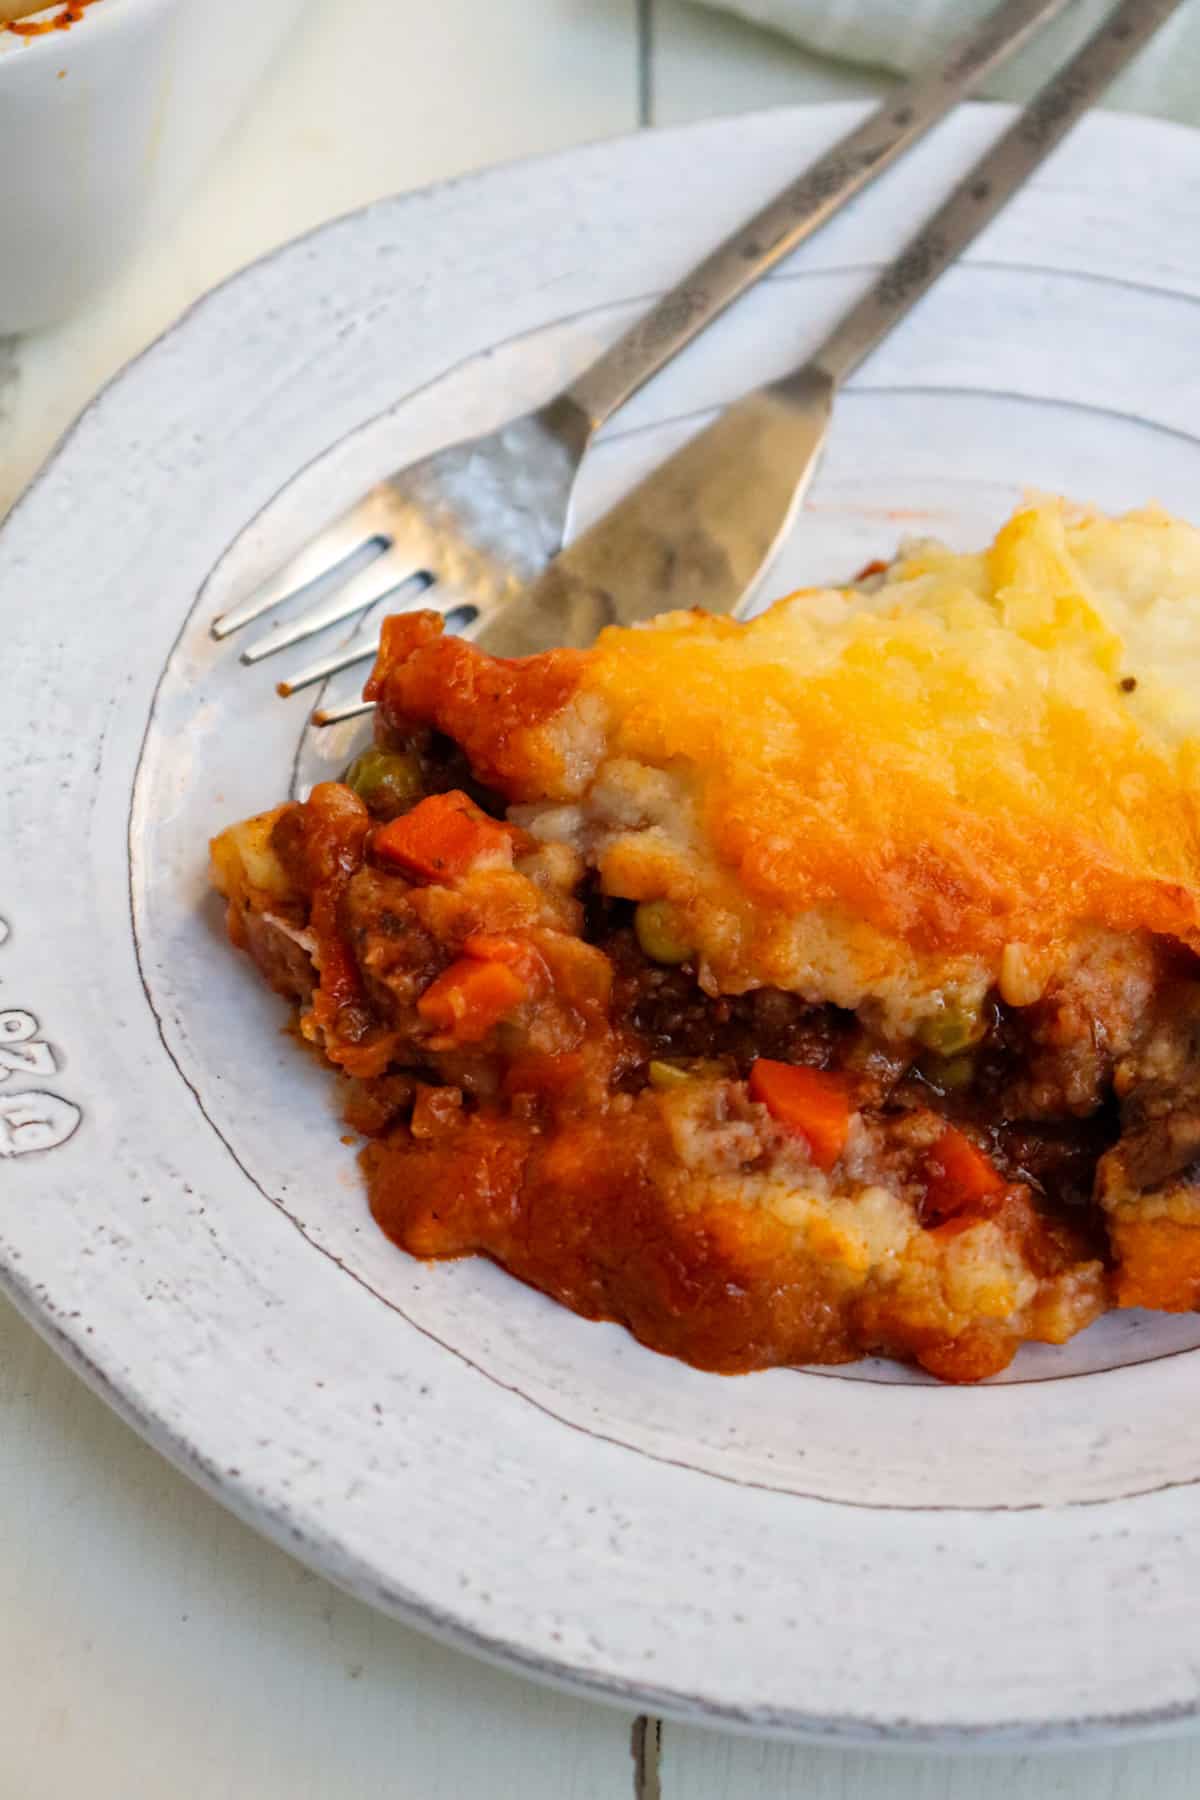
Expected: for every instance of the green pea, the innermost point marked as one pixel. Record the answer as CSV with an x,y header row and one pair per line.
x,y
949,1072
389,781
951,1032
665,1075
660,932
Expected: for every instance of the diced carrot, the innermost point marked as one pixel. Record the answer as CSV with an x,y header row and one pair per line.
x,y
469,997
811,1102
510,952
959,1178
495,946
440,838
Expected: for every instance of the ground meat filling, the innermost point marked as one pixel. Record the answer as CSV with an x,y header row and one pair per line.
x,y
673,1018
1047,1145
538,1086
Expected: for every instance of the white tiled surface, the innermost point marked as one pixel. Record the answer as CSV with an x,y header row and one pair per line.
x,y
697,1766
149,1644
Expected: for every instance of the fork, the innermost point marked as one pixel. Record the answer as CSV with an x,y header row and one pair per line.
x,y
701,529
472,525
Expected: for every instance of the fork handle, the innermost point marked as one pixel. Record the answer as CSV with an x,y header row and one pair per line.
x,y
988,187
909,111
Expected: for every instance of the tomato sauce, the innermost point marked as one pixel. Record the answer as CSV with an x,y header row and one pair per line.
x,y
502,1068
71,14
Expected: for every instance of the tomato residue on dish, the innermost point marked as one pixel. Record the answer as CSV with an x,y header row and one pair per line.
x,y
70,15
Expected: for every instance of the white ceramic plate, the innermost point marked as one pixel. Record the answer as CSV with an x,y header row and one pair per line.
x,y
854,1554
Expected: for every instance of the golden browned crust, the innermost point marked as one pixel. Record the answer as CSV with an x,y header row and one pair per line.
x,y
935,786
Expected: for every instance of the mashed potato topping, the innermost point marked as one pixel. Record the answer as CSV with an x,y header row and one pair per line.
x,y
905,795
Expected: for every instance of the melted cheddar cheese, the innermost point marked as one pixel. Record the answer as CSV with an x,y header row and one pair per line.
x,y
895,797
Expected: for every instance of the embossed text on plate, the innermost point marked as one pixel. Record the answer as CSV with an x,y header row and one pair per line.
x,y
30,1119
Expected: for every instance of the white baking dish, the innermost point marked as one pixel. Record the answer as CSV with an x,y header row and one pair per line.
x,y
104,127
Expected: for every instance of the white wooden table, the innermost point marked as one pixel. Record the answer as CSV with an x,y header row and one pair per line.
x,y
150,1645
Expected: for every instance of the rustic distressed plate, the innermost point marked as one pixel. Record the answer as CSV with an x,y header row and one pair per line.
x,y
854,1554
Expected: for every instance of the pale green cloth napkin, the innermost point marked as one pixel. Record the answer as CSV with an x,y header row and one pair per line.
x,y
904,34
